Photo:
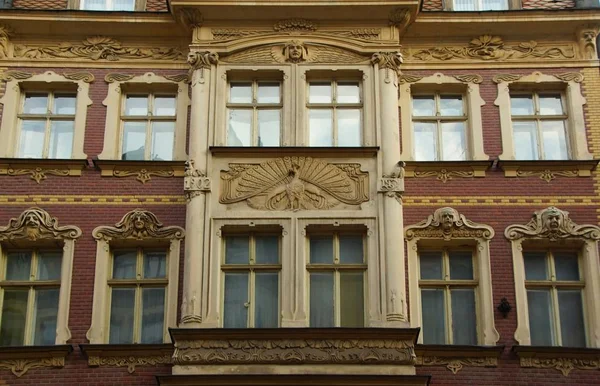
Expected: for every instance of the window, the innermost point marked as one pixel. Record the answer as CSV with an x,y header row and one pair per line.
x,y
336,270
148,127
448,301
254,114
439,122
539,121
480,5
30,294
554,294
44,115
146,117
138,288
47,124
108,5
335,113
251,268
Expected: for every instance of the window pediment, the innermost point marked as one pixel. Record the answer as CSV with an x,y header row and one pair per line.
x,y
138,224
446,223
37,224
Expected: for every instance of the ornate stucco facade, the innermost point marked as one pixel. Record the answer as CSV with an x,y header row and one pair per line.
x,y
369,183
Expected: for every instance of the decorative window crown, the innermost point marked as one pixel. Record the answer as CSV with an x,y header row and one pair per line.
x,y
446,223
553,224
36,224
138,224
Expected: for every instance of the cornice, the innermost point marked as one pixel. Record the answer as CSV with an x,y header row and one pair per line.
x,y
548,170
19,360
563,359
324,152
446,170
376,379
455,358
143,171
39,169
127,355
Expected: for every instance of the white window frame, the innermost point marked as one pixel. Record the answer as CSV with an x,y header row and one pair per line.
x,y
479,6
137,6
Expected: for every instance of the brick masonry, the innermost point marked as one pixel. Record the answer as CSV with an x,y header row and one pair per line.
x,y
151,5
438,5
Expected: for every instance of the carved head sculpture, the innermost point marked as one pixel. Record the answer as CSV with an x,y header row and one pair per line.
x,y
552,219
202,59
446,217
589,36
295,51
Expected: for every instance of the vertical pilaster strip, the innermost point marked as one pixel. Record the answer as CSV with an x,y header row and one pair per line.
x,y
592,111
391,186
197,187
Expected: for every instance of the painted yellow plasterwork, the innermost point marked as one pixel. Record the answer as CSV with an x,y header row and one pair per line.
x,y
591,86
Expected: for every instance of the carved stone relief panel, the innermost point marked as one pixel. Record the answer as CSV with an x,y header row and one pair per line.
x,y
294,183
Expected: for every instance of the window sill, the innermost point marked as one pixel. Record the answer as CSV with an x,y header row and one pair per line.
x,y
563,359
39,169
455,357
19,360
548,170
127,355
330,152
143,171
446,170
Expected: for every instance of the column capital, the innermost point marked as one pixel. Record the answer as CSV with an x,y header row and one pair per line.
x,y
388,60
202,59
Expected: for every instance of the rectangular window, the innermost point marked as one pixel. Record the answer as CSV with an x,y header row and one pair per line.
x,y
30,289
148,122
47,122
335,113
254,113
480,5
539,126
440,123
138,288
108,5
554,294
448,297
337,270
251,268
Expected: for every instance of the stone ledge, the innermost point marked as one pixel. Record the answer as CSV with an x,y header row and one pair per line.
x,y
563,359
38,169
455,357
19,360
313,380
143,171
127,355
446,170
327,152
548,170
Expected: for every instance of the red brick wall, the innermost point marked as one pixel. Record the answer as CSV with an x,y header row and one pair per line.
x,y
156,5
40,4
433,5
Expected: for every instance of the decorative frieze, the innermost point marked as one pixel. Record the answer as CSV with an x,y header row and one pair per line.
x,y
563,359
294,183
456,364
128,355
564,365
576,77
129,361
19,360
38,172
445,171
141,170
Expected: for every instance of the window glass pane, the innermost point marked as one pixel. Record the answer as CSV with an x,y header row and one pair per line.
x,y
352,301
321,249
14,312
535,266
49,264
268,93
269,127
240,93
267,300
64,104
18,265
541,321
124,264
46,309
425,141
349,133
454,144
237,249
235,311
267,249
155,264
320,127
61,139
164,106
434,311
321,299
351,249
464,325
35,104
319,93
123,5
551,104
94,5
136,105
521,105
153,315
431,265
451,105
163,137
464,5
134,140
555,143
240,128
566,265
461,265
121,315
348,93
423,105
494,5
525,137
571,318
31,143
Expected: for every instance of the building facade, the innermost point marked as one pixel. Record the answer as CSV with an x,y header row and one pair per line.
x,y
201,192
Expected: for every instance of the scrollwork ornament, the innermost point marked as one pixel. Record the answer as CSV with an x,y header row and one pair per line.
x,y
38,174
201,60
447,224
15,74
576,77
456,364
407,78
144,175
470,78
130,361
21,366
295,25
138,224
84,76
506,78
37,224
564,365
117,77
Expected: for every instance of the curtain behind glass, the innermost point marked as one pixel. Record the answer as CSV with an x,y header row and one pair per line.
x,y
235,312
153,315
434,315
321,299
14,312
46,311
266,311
121,315
464,325
94,5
